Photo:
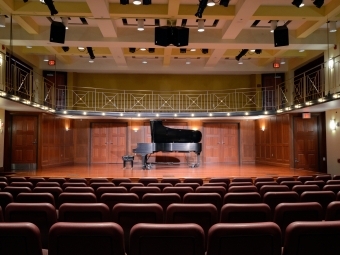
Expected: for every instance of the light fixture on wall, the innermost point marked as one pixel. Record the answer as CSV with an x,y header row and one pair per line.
x,y
140,24
331,63
263,128
273,25
332,26
1,126
333,124
65,22
298,3
200,25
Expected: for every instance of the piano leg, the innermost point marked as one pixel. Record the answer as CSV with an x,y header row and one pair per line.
x,y
198,160
145,164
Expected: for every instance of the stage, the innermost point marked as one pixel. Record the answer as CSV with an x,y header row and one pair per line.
x,y
205,171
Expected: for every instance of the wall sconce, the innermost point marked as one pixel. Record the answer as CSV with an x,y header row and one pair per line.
x,y
1,126
263,128
135,129
0,59
331,63
333,124
67,128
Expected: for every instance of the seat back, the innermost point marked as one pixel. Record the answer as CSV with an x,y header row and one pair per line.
x,y
87,212
117,181
166,239
274,198
242,179
98,179
212,189
101,190
17,179
204,198
128,215
240,184
320,183
67,197
59,180
163,199
333,182
22,184
79,189
160,185
250,188
303,179
35,180
3,185
77,180
43,215
55,191
220,179
243,213
284,178
324,177
193,185
258,185
244,238
319,237
179,190
47,184
74,238
73,184
111,199
213,184
140,191
1,215
147,180
129,185
3,179
322,197
20,238
267,188
332,187
263,179
96,185
305,187
242,198
35,198
291,184
16,190
5,199
204,215
193,180
173,181
333,211
286,213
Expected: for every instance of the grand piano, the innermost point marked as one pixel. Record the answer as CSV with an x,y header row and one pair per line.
x,y
169,140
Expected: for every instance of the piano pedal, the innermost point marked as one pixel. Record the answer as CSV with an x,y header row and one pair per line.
x,y
147,167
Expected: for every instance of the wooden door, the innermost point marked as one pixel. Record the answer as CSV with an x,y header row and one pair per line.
x,y
221,143
306,143
24,142
108,142
117,142
230,148
99,143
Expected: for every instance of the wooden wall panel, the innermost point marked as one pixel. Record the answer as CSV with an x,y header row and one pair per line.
x,y
272,139
248,141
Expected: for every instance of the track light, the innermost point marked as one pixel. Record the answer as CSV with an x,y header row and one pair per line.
x,y
187,61
201,7
65,48
240,62
140,24
298,3
205,51
144,61
241,54
318,3
182,50
258,51
81,49
90,51
200,25
146,2
225,3
2,21
132,50
50,6
65,22
283,61
273,25
151,50
137,2
332,26
211,3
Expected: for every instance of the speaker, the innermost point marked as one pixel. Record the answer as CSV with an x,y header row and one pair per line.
x,y
163,36
57,32
281,37
180,36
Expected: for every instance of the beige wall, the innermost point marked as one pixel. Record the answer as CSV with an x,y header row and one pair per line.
x,y
164,82
333,143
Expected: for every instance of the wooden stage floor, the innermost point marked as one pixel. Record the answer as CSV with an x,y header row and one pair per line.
x,y
205,171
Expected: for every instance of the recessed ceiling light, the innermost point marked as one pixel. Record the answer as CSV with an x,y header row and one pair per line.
x,y
211,3
192,49
91,61
301,50
137,2
143,49
103,113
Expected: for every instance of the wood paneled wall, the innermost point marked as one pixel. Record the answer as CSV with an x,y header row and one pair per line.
x,y
56,144
272,140
137,133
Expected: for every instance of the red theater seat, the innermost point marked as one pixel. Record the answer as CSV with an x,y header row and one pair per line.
x,y
243,213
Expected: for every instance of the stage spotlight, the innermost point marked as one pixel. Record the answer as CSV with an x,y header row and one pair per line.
x,y
50,6
151,50
318,3
298,3
241,54
182,50
225,3
257,51
65,48
205,51
201,7
90,51
132,50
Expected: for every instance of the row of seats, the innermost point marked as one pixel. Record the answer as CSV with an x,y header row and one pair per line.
x,y
65,238
44,215
146,180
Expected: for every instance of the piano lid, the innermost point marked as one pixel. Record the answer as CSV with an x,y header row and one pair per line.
x,y
162,134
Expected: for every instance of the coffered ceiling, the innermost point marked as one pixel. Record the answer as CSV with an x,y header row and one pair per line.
x,y
111,29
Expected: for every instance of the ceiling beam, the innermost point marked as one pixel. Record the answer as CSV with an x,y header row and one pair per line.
x,y
28,24
173,7
118,56
215,57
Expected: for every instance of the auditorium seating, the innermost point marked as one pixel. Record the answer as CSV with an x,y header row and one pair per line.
x,y
101,190
74,238
305,238
244,238
47,184
333,211
267,188
3,185
305,187
274,198
55,191
332,187
98,179
20,238
242,179
212,184
73,184
16,179
140,191
87,212
324,178
68,197
163,199
77,180
35,198
193,185
320,183
111,199
249,188
285,178
193,180
263,179
291,184
79,190
220,179
178,190
160,185
322,197
245,213
117,181
35,180
242,198
5,199
303,179
16,190
258,185
96,185
166,239
240,184
173,181
147,180
129,185
22,184
43,215
59,180
1,215
203,198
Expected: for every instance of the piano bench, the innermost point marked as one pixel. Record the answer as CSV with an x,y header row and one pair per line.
x,y
128,158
